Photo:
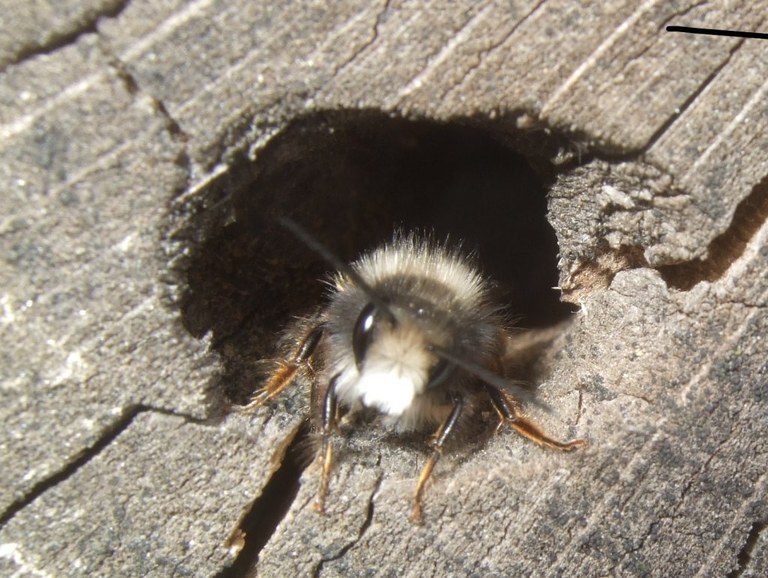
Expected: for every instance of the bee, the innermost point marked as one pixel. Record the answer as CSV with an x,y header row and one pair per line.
x,y
409,331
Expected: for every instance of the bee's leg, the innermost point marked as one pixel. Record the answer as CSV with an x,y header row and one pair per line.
x,y
437,449
330,414
286,373
510,412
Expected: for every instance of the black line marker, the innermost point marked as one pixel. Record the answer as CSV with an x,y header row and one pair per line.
x,y
716,32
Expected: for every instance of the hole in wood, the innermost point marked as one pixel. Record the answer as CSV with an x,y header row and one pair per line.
x,y
352,178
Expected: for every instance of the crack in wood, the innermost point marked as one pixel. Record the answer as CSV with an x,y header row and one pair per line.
x,y
363,528
57,41
745,554
485,53
260,521
637,56
723,251
368,43
111,432
749,216
438,57
134,89
680,110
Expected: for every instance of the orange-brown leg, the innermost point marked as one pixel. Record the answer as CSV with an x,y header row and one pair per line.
x,y
437,450
510,412
286,373
330,415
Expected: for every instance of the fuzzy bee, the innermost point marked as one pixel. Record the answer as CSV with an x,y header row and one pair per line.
x,y
409,331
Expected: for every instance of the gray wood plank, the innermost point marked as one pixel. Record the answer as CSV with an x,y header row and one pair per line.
x,y
131,306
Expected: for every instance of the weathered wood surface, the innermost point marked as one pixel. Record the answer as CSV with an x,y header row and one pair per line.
x,y
124,126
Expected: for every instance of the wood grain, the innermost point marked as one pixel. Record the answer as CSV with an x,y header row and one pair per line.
x,y
145,145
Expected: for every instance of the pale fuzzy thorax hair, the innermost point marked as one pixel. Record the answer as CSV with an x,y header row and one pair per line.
x,y
410,255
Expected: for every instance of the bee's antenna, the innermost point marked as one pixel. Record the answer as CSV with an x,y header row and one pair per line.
x,y
489,377
305,237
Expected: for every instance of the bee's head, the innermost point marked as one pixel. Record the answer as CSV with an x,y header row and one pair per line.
x,y
403,335
394,354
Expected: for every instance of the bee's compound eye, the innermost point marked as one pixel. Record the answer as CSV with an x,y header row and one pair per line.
x,y
363,333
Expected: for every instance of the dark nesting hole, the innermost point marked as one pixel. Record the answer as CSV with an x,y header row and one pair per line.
x,y
352,178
